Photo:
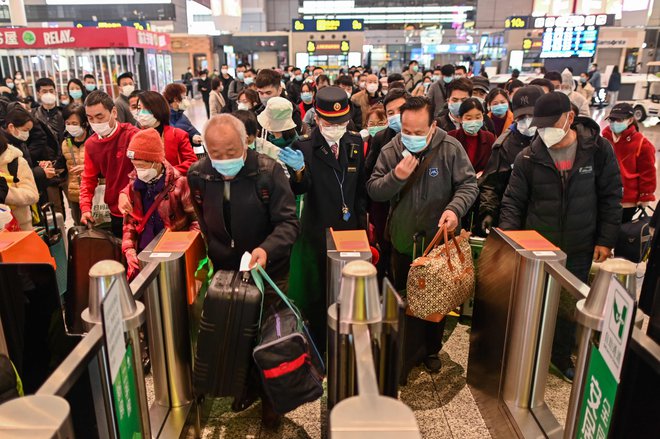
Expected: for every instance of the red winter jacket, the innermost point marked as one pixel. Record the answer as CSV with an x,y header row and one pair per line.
x,y
176,209
479,157
636,156
178,150
107,157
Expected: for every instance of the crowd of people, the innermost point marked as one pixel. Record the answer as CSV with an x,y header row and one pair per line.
x,y
292,152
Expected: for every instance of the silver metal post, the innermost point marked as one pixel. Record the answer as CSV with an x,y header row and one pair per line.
x,y
590,314
37,416
104,276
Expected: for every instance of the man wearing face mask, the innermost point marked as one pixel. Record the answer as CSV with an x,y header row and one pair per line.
x,y
204,87
427,178
457,91
438,91
269,85
48,112
328,167
345,83
236,86
563,82
412,76
566,185
496,176
294,86
90,83
126,87
105,154
152,179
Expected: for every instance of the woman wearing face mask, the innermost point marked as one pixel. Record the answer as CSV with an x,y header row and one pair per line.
x,y
158,197
76,91
368,97
248,100
307,93
175,95
19,82
585,88
376,122
497,102
496,176
277,124
11,94
216,100
73,154
17,187
636,157
422,88
155,113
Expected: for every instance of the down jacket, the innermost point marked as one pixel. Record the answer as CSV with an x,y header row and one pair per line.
x,y
22,189
176,209
576,215
636,156
73,155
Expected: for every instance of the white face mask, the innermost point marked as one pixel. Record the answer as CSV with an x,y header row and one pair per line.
x,y
224,71
524,128
102,129
551,135
146,175
372,88
147,120
243,106
349,94
22,135
127,90
75,130
48,99
333,133
135,113
184,104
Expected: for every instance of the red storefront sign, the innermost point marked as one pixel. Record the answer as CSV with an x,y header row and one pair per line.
x,y
84,37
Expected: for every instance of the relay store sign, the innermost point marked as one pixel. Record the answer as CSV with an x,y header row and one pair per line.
x,y
85,37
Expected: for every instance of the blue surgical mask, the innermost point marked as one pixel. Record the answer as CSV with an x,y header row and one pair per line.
x,y
240,75
394,122
523,127
249,80
90,87
499,110
229,167
375,129
447,79
412,143
454,108
435,78
11,85
619,126
306,97
472,127
298,78
75,94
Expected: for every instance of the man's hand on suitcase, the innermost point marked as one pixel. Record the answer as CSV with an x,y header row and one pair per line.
x,y
259,256
448,219
87,217
124,204
601,253
132,264
406,167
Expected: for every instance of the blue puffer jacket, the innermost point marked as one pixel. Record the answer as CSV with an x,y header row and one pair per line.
x,y
181,121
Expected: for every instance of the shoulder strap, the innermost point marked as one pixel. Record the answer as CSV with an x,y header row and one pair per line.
x,y
152,209
263,179
73,156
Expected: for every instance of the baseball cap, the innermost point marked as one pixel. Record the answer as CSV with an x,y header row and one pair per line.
x,y
621,111
524,100
549,108
480,83
276,117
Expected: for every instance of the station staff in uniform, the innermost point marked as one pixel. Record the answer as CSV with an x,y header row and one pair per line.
x,y
328,167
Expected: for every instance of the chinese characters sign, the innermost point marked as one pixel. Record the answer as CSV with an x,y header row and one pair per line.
x,y
327,25
597,400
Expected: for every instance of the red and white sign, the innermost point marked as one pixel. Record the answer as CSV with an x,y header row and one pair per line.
x,y
84,37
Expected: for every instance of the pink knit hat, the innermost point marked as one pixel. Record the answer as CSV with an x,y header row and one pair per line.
x,y
146,145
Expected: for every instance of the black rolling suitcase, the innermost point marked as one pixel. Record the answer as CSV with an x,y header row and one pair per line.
x,y
227,334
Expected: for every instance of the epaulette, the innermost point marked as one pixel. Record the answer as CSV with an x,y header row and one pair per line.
x,y
355,133
304,137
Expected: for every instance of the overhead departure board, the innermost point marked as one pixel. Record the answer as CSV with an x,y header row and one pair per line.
x,y
569,42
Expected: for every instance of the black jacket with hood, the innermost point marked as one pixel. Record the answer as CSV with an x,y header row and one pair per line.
x,y
578,214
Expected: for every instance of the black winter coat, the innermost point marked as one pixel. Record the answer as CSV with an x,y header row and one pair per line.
x,y
375,146
577,215
257,220
495,178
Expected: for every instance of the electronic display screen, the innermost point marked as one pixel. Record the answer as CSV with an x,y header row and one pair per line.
x,y
569,42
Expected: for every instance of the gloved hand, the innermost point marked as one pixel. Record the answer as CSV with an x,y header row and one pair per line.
x,y
486,223
132,264
4,189
293,158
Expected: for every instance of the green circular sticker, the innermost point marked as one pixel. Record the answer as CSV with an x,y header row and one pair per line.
x,y
29,37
